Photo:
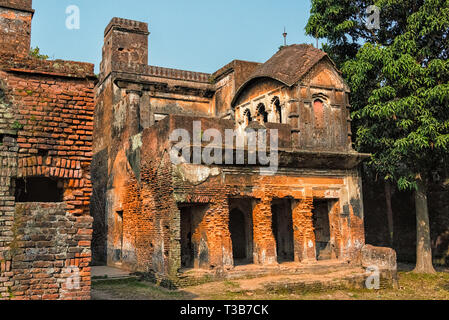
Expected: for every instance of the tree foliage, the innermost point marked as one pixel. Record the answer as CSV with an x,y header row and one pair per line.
x,y
36,53
399,78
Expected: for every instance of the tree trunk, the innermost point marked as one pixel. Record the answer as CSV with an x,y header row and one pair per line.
x,y
389,212
423,243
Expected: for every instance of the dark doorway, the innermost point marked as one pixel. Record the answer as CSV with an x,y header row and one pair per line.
x,y
322,229
240,227
38,189
238,236
283,229
187,254
194,250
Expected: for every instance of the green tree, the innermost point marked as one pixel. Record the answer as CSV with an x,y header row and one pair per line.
x,y
399,77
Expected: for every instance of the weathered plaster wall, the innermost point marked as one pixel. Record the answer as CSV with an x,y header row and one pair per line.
x,y
312,127
147,198
152,212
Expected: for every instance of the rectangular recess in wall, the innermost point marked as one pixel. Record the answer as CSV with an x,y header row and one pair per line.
x,y
39,189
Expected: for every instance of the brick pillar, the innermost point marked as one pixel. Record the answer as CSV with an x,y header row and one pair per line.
x,y
264,241
303,230
218,235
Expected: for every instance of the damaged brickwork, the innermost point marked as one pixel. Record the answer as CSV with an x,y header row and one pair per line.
x,y
46,125
154,216
102,146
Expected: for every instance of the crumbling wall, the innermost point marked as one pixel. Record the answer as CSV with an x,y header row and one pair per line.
x,y
46,124
50,253
15,26
8,167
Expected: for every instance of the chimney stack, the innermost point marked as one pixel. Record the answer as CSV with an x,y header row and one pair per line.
x,y
125,42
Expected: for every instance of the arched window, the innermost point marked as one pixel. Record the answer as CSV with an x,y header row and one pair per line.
x,y
247,116
262,114
277,109
318,111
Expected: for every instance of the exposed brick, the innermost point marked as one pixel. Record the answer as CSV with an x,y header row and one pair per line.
x,y
37,110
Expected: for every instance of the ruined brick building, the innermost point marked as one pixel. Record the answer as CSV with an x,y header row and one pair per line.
x,y
153,215
83,155
46,124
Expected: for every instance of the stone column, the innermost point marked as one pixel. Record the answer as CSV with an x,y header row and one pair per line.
x,y
264,241
303,230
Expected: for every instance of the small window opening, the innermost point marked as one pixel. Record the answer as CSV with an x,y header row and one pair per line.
x,y
42,153
247,115
277,110
262,115
39,189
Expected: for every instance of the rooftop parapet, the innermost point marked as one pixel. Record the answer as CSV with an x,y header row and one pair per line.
x,y
62,68
127,25
161,72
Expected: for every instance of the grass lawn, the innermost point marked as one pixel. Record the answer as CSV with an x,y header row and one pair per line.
x,y
411,287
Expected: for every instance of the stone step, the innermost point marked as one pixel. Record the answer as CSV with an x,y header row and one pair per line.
x,y
109,273
196,277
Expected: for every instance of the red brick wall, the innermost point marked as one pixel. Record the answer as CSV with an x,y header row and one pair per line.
x,y
48,111
54,116
40,268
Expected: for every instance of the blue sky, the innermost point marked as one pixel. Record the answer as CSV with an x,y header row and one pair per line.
x,y
196,35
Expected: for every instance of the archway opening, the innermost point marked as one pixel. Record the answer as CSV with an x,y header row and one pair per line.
x,y
262,114
247,117
277,110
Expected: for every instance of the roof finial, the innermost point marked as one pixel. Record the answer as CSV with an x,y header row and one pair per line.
x,y
285,37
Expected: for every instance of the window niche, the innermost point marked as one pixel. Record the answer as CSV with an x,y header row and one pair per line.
x,y
39,189
247,117
262,114
320,102
277,110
